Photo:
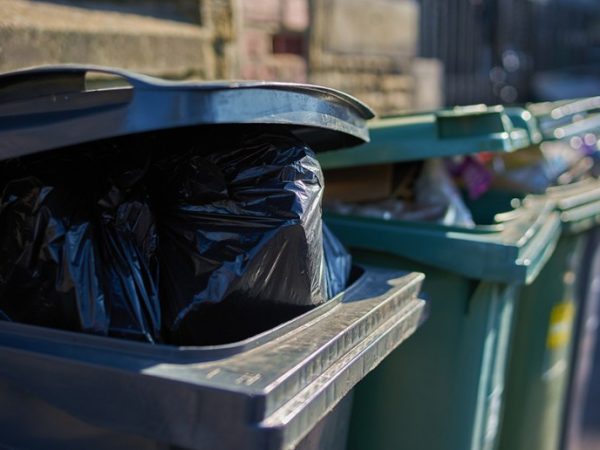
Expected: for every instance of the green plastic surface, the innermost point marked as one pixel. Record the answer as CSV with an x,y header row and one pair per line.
x,y
428,135
541,356
512,251
538,375
443,388
541,353
449,376
537,379
578,204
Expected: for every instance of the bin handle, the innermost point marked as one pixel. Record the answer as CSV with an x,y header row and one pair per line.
x,y
63,79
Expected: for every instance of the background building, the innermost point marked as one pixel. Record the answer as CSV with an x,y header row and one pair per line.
x,y
393,54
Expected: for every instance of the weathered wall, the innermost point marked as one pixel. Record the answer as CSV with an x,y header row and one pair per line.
x,y
366,48
369,49
363,47
273,41
132,35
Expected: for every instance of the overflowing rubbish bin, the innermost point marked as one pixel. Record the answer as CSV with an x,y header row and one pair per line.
x,y
444,387
542,358
166,280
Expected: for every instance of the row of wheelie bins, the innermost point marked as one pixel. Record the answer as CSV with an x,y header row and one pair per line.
x,y
509,297
461,321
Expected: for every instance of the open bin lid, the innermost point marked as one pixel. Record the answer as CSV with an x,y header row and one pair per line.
x,y
567,118
50,107
458,131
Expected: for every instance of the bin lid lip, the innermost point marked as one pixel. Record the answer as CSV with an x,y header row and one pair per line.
x,y
441,133
39,105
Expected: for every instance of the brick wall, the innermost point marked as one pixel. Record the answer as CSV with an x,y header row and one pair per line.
x,y
273,40
369,48
364,47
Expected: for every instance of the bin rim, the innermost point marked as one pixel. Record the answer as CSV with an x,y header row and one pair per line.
x,y
512,251
181,354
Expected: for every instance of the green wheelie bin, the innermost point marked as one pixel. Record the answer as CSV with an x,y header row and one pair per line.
x,y
542,358
444,388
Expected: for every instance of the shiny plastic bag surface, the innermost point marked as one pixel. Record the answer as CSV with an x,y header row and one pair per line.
x,y
77,249
239,226
210,242
338,263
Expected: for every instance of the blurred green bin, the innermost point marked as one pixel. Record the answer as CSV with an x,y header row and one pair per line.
x,y
541,358
444,388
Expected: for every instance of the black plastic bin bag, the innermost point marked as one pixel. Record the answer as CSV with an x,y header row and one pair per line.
x,y
129,244
338,263
241,235
161,239
77,249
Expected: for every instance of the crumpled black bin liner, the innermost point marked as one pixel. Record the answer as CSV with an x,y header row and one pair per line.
x,y
137,238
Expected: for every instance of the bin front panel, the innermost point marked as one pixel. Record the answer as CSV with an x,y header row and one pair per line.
x,y
541,349
448,377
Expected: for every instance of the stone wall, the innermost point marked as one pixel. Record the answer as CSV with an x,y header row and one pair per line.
x,y
125,33
273,39
364,47
369,48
